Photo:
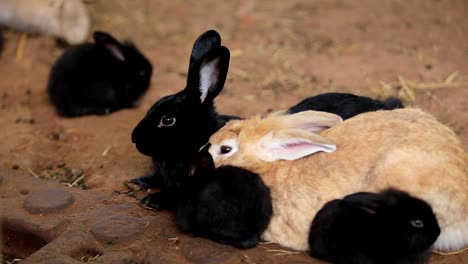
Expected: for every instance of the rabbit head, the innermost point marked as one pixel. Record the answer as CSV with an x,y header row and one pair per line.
x,y
134,69
181,123
276,137
386,227
408,224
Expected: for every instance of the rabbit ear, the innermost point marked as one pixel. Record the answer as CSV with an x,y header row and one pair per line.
x,y
201,165
291,144
312,121
204,43
110,43
206,80
368,202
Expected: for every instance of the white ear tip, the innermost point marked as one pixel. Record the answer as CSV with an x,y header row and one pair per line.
x,y
329,148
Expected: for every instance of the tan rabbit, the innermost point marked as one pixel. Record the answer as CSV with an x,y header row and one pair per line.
x,y
67,19
405,149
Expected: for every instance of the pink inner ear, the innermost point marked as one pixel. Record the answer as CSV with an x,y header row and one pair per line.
x,y
294,150
115,51
296,145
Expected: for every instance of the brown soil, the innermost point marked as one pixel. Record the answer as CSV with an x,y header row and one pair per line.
x,y
282,52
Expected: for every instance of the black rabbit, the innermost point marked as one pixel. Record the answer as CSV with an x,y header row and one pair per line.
x,y
178,125
345,105
388,227
228,204
98,78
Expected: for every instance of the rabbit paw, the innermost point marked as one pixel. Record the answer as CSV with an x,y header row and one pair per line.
x,y
247,243
158,201
147,181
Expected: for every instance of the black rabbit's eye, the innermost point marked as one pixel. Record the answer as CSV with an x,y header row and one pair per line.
x,y
417,223
167,121
225,149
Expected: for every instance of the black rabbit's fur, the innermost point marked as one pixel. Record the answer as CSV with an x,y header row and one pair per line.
x,y
344,104
228,204
98,78
374,228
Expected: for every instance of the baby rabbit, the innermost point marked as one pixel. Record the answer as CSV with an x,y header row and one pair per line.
x,y
178,125
228,204
405,149
389,227
345,105
98,78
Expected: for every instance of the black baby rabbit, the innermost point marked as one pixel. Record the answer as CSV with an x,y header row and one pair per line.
x,y
345,105
178,125
388,227
228,204
98,78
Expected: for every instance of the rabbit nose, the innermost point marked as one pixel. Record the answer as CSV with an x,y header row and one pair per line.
x,y
136,134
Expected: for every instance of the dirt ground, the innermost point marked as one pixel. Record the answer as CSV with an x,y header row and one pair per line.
x,y
281,52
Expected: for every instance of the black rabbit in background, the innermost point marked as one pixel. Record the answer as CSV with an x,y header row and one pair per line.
x,y
391,227
178,125
345,105
228,204
98,78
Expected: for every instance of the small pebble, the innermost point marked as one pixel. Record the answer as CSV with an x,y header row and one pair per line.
x,y
15,166
50,166
428,66
57,136
77,172
60,164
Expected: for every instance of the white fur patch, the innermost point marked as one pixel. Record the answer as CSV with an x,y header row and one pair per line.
x,y
215,150
451,239
208,76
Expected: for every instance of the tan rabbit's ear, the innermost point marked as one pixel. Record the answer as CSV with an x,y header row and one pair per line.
x,y
312,121
291,144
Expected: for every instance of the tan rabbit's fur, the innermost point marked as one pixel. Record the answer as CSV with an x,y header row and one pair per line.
x,y
405,149
67,19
